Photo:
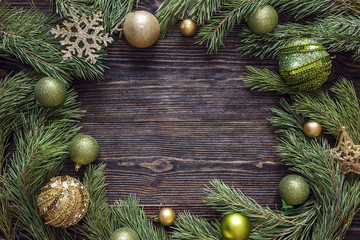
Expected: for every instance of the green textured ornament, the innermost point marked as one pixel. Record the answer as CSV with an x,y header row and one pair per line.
x,y
124,234
83,150
50,92
263,20
294,189
304,64
235,226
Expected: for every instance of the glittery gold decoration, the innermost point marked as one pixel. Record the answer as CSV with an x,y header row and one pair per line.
x,y
346,153
83,37
63,202
304,64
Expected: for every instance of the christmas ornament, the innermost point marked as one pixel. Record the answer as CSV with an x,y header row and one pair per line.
x,y
294,189
346,153
63,202
50,92
312,129
235,226
82,37
167,216
263,20
141,29
83,150
304,64
188,27
124,234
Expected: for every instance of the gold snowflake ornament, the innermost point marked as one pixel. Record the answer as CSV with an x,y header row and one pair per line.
x,y
83,37
346,153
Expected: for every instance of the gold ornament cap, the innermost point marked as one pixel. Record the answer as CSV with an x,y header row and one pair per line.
x,y
63,201
141,29
167,216
312,129
188,27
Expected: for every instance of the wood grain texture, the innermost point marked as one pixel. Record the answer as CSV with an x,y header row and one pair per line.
x,y
170,118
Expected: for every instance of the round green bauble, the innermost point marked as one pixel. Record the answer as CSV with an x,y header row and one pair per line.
x,y
263,20
294,189
83,150
141,29
124,234
235,226
304,64
50,92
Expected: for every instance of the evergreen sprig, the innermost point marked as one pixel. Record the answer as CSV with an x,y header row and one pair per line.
x,y
25,34
336,33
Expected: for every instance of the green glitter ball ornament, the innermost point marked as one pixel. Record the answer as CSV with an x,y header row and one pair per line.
x,y
124,234
50,92
294,189
83,150
263,20
304,64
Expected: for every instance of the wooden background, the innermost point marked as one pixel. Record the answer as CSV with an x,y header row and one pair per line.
x,y
170,118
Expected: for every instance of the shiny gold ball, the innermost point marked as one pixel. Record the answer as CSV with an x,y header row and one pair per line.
x,y
141,29
167,216
235,226
188,27
63,201
312,129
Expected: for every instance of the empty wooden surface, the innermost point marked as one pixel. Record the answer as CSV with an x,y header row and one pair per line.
x,y
170,118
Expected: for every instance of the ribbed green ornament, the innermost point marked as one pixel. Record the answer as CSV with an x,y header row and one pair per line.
x,y
304,64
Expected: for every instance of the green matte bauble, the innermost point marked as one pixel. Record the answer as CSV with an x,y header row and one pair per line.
x,y
50,92
294,189
304,64
124,234
188,27
235,226
83,150
141,29
263,20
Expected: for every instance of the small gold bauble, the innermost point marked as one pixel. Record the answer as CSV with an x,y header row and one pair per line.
x,y
188,27
167,216
63,201
141,29
312,129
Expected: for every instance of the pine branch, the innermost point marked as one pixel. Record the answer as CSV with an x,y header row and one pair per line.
x,y
268,223
266,80
336,33
128,214
189,227
98,222
25,34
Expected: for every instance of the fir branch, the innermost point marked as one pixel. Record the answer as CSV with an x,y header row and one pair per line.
x,y
336,33
266,80
128,214
66,8
333,113
268,223
189,227
25,34
98,222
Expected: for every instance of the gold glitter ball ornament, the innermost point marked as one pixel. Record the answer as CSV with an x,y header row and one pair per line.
x,y
312,129
167,216
304,64
188,27
141,29
63,201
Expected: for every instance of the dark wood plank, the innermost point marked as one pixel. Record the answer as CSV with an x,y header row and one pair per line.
x,y
170,118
